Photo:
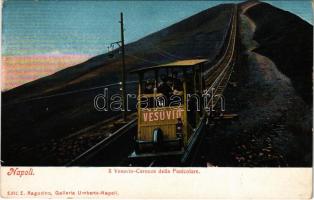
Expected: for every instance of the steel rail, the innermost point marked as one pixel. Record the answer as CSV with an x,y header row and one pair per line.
x,y
226,65
211,72
223,68
103,143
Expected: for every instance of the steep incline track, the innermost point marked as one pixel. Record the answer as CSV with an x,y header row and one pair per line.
x,y
216,81
217,77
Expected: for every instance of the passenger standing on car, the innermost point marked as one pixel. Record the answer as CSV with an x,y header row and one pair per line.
x,y
177,83
164,86
148,87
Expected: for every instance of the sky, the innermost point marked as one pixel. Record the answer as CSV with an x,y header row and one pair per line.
x,y
46,36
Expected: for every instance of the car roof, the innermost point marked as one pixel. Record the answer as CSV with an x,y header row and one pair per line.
x,y
175,64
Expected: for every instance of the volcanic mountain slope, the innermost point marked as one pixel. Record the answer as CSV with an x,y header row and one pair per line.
x,y
274,94
287,42
198,36
36,121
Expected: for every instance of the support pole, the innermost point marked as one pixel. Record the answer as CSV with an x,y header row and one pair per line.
x,y
124,111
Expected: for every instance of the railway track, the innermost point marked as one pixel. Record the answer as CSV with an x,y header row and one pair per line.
x,y
58,149
99,154
217,77
216,80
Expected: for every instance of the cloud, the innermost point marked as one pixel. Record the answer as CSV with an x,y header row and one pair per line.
x,y
55,52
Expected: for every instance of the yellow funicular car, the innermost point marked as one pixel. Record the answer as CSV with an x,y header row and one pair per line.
x,y
169,108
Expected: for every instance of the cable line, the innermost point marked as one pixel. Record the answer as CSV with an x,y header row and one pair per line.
x,y
67,93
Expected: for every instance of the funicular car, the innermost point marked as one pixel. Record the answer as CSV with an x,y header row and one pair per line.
x,y
168,107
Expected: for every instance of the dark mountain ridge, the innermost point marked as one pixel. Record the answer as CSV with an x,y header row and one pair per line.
x,y
286,39
273,94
